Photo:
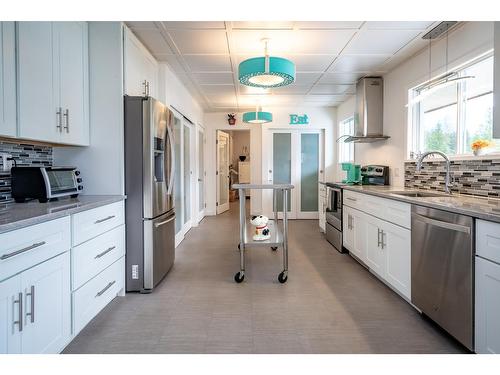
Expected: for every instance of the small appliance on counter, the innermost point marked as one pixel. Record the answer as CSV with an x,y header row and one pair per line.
x,y
353,175
44,183
369,175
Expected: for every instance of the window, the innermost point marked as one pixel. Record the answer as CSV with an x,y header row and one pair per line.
x,y
346,150
451,116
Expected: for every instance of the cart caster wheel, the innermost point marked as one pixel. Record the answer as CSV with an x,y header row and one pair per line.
x,y
239,248
239,277
283,277
274,248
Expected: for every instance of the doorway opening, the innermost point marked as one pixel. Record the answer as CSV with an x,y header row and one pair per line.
x,y
233,166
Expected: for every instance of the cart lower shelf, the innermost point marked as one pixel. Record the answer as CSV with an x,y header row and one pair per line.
x,y
276,238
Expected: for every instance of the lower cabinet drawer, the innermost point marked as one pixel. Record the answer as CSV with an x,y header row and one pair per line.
x,y
96,294
91,257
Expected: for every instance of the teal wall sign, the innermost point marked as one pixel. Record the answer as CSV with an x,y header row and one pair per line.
x,y
299,120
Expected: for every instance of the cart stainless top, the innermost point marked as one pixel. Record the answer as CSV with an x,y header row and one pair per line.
x,y
278,236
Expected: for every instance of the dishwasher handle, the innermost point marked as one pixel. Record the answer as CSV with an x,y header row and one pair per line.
x,y
442,224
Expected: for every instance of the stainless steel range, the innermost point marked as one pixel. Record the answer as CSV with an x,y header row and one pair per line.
x,y
371,175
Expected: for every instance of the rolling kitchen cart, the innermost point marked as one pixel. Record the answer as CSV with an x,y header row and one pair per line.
x,y
279,236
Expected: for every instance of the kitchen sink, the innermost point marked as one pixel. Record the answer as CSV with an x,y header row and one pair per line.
x,y
417,194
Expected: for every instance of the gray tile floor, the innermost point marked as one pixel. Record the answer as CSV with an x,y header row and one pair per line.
x,y
330,304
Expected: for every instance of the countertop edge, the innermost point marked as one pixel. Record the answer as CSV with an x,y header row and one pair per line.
x,y
20,224
425,203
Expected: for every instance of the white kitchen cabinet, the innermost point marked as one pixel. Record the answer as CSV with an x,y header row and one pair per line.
x,y
496,82
52,66
375,255
140,68
396,242
11,315
47,306
354,227
487,325
8,127
74,81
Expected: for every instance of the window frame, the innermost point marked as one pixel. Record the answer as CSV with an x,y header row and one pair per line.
x,y
349,120
415,136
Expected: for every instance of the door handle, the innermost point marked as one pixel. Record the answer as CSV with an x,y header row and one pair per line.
x,y
172,163
382,234
66,115
31,314
378,237
19,320
164,222
442,224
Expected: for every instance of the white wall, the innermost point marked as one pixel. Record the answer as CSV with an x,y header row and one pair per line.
x,y
344,111
465,43
319,118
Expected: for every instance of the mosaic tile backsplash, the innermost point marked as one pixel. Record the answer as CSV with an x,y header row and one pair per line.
x,y
25,154
473,177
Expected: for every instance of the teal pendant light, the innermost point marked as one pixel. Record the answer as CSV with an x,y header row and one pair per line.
x,y
257,116
266,71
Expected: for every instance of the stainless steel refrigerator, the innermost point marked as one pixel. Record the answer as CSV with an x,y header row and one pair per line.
x,y
149,186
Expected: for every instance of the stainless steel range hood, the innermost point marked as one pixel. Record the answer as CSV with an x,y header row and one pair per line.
x,y
368,118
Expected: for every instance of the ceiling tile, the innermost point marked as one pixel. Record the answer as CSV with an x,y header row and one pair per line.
x,y
223,90
321,41
399,25
200,41
340,78
323,98
328,24
380,41
330,89
262,25
249,42
306,78
358,63
208,63
213,78
153,40
292,89
194,24
312,63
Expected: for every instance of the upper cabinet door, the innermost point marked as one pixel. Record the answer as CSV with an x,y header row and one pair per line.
x,y
38,82
141,69
496,85
74,81
8,125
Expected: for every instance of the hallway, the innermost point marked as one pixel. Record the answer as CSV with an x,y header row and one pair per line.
x,y
330,303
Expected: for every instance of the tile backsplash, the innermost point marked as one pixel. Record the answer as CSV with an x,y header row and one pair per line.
x,y
26,155
473,177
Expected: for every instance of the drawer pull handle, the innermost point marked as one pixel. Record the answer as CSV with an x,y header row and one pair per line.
x,y
105,288
20,251
351,199
103,220
104,252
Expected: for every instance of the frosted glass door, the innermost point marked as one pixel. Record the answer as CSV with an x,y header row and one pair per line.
x,y
201,174
309,172
282,166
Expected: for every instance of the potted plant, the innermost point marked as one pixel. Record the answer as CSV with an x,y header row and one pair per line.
x,y
479,147
231,118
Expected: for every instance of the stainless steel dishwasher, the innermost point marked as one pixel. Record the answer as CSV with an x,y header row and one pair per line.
x,y
442,270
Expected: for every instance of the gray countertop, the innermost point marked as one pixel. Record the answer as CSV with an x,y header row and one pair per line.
x,y
478,207
19,215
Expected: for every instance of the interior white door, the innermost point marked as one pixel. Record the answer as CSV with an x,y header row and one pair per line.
x,y
222,171
201,173
47,306
295,157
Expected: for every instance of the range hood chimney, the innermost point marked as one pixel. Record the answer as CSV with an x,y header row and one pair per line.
x,y
368,119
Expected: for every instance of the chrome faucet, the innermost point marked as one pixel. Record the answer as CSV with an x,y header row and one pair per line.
x,y
447,181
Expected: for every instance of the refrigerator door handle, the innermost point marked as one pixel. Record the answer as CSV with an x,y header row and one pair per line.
x,y
164,222
172,162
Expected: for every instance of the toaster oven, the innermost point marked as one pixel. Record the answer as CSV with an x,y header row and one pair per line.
x,y
45,183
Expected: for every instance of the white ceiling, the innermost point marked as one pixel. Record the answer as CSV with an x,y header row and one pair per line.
x,y
329,57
